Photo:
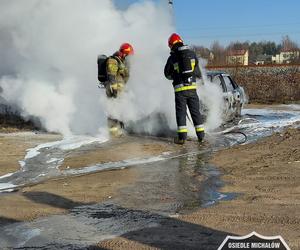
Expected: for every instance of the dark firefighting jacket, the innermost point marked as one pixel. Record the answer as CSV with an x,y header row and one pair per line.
x,y
182,67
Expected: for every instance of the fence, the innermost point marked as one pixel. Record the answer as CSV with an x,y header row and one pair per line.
x,y
267,83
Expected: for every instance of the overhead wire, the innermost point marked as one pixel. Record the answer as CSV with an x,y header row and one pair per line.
x,y
236,27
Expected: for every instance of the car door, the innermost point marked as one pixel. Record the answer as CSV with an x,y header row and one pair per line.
x,y
230,91
218,79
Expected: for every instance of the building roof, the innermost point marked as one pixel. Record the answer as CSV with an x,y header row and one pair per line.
x,y
240,52
289,50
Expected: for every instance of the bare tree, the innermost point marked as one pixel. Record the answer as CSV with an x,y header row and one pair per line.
x,y
202,52
288,44
238,46
218,52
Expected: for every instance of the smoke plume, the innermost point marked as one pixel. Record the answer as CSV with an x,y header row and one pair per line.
x,y
49,49
48,64
211,96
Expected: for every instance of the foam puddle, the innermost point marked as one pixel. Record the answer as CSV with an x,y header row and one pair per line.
x,y
6,175
258,123
7,187
68,143
43,161
211,195
272,117
118,164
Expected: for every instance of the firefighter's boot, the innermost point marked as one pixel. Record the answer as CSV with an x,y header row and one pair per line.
x,y
179,141
115,127
200,136
181,138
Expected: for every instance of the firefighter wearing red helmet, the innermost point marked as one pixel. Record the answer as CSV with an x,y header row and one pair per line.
x,y
117,71
182,67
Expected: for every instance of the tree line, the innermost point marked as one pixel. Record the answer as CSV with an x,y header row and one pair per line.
x,y
216,54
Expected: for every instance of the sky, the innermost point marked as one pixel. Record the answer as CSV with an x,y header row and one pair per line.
x,y
202,22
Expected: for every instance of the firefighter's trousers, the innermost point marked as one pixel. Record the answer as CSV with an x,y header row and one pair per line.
x,y
190,99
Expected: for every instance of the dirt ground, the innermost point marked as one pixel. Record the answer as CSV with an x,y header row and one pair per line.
x,y
265,175
26,204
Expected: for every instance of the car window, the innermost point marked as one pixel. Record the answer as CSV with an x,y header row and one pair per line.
x,y
228,84
233,82
218,81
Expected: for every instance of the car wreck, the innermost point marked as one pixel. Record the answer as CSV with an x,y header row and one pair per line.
x,y
234,95
234,98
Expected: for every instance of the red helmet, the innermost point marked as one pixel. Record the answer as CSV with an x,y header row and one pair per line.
x,y
173,39
126,49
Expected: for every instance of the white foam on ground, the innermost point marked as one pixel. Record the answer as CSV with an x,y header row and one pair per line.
x,y
67,143
6,187
122,164
53,160
6,175
22,164
279,122
269,112
291,106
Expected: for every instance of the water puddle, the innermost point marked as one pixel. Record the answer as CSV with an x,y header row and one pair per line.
x,y
163,190
211,186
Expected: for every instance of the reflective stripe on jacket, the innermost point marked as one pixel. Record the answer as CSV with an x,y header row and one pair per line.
x,y
183,87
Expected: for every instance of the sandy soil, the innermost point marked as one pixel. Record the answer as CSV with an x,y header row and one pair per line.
x,y
266,175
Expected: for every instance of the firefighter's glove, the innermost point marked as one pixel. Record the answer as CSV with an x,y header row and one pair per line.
x,y
123,71
112,89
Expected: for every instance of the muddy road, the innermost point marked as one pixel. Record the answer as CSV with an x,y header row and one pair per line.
x,y
153,194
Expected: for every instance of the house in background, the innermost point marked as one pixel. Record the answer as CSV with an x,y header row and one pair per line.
x,y
263,59
237,57
286,56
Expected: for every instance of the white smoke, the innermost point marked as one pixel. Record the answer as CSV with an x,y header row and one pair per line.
x,y
211,96
48,68
51,68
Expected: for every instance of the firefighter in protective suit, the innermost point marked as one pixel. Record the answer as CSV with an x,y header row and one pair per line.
x,y
117,74
182,67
